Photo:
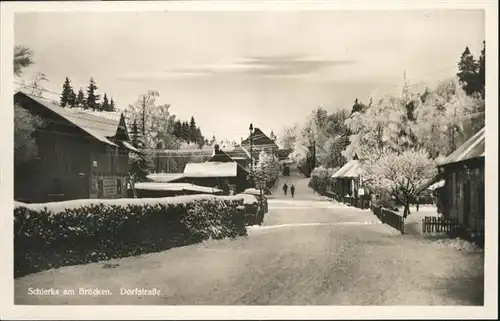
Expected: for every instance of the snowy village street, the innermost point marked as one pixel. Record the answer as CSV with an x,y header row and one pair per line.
x,y
309,251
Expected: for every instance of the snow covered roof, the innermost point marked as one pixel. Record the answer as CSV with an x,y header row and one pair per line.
x,y
474,147
428,183
130,147
351,169
99,127
175,187
164,177
259,139
211,169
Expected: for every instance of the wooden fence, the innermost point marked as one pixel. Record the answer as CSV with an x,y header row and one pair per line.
x,y
390,218
432,224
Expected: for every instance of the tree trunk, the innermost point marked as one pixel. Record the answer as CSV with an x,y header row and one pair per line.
x,y
406,210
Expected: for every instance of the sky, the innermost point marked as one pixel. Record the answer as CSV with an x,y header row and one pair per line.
x,y
230,69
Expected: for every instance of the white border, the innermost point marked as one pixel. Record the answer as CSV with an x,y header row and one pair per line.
x,y
10,311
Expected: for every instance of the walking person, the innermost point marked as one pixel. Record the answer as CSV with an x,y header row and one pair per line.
x,y
285,188
292,190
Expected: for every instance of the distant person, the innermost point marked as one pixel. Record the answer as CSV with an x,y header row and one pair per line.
x,y
285,188
292,190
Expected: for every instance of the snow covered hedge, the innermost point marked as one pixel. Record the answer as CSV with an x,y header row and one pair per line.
x,y
78,232
321,178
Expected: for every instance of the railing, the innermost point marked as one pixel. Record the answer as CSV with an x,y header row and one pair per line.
x,y
390,218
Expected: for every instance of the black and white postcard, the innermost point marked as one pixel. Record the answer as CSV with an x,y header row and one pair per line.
x,y
228,160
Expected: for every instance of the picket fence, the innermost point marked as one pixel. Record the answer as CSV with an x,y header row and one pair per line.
x,y
432,224
390,218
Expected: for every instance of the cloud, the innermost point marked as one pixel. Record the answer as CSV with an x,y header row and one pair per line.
x,y
269,66
261,66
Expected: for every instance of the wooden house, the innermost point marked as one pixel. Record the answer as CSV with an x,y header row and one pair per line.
x,y
80,155
258,141
461,185
219,172
239,154
347,184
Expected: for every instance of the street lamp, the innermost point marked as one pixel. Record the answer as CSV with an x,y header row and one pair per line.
x,y
251,152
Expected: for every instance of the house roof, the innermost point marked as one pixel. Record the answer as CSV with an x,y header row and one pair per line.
x,y
425,185
351,169
175,187
474,147
101,128
220,156
165,177
238,151
211,169
259,139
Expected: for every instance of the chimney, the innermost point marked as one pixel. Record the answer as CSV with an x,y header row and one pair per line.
x,y
216,148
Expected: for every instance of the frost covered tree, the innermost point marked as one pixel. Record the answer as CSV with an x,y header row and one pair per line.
x,y
382,128
23,58
399,175
155,122
34,86
288,136
25,124
266,171
445,118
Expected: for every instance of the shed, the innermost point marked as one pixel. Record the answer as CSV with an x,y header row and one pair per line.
x,y
462,196
347,183
228,176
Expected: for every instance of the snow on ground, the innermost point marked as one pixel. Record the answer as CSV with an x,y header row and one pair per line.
x,y
267,227
460,245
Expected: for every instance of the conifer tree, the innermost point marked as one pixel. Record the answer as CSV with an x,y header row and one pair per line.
x,y
112,106
80,99
192,130
468,72
185,131
482,70
105,106
134,134
92,96
177,129
68,95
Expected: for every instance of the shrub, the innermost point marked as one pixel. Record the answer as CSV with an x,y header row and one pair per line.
x,y
252,209
77,232
321,178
